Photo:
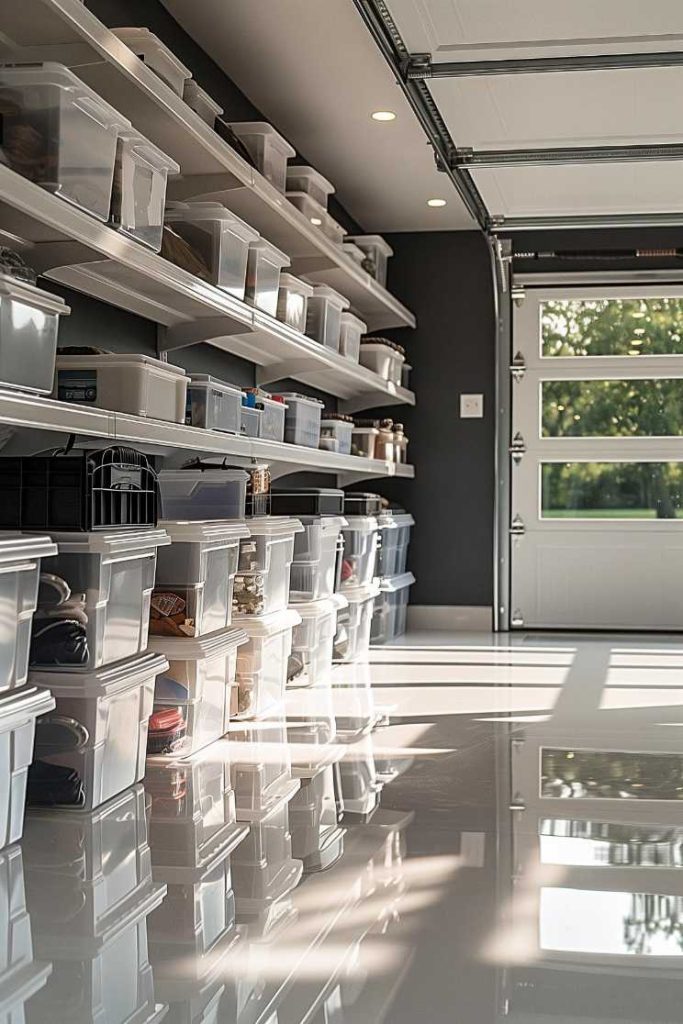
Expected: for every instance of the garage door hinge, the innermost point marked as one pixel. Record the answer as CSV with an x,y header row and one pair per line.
x,y
517,527
518,448
518,366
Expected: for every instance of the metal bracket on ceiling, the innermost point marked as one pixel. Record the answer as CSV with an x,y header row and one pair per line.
x,y
507,225
417,66
546,65
475,159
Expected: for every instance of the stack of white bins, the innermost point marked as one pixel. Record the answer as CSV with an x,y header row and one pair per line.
x,y
391,607
21,973
358,575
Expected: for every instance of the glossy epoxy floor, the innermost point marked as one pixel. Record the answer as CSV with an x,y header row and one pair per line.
x,y
483,829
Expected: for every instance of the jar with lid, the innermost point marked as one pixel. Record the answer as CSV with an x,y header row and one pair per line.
x,y
400,443
384,446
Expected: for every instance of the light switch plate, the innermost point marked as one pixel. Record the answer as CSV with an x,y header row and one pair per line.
x,y
471,407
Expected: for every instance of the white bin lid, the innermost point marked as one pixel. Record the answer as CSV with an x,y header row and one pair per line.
x,y
390,584
22,547
141,40
198,648
351,320
51,73
274,526
205,380
191,212
323,291
293,396
270,252
310,174
116,542
193,92
214,533
160,160
120,359
319,609
372,242
104,681
242,128
33,296
358,595
295,284
16,706
268,625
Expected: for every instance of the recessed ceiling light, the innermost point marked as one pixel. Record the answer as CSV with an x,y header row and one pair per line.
x,y
384,115
317,221
436,202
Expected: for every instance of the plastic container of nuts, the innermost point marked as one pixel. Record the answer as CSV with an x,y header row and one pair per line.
x,y
262,581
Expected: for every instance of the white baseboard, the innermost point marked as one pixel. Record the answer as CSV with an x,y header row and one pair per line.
x,y
468,618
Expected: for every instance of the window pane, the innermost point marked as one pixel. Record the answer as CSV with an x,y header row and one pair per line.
x,y
612,490
612,327
610,775
604,844
612,408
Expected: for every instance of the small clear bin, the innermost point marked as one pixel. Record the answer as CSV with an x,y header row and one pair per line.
x,y
353,252
324,316
195,576
21,560
251,420
395,530
263,867
381,356
315,553
377,253
218,237
264,265
333,230
361,535
269,150
272,420
391,608
129,383
351,331
192,696
201,102
262,580
98,731
213,404
340,430
292,301
310,663
210,493
260,766
94,599
139,190
302,419
310,181
364,441
150,49
262,664
59,133
29,326
352,641
19,710
312,210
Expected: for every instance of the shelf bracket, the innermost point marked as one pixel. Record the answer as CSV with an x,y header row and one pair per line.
x,y
290,368
195,332
46,256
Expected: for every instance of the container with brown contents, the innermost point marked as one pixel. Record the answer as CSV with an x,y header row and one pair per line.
x,y
384,445
169,612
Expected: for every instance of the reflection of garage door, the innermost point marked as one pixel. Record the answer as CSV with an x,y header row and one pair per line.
x,y
597,463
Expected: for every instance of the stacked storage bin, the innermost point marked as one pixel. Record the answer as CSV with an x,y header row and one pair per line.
x,y
21,974
358,575
391,607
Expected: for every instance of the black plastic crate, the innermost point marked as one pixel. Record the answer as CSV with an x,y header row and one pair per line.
x,y
307,501
362,503
113,488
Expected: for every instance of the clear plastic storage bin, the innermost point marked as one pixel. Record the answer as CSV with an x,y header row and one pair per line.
x,y
20,567
213,404
377,253
292,301
364,442
269,150
29,325
339,430
361,536
391,608
192,696
382,358
352,330
352,641
195,576
260,766
353,252
98,731
395,530
317,839
251,421
129,383
333,230
360,786
19,710
71,133
315,552
310,181
201,102
273,411
264,264
324,316
302,419
262,580
263,867
310,663
150,49
262,664
21,975
218,493
219,238
94,601
139,189
312,210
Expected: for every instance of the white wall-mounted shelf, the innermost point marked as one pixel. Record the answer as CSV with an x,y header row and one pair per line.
x,y
66,31
161,438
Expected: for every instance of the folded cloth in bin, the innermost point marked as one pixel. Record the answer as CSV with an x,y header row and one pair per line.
x,y
51,784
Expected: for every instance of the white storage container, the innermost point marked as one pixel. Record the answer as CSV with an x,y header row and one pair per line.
x,y
262,581
192,696
361,537
382,359
310,181
377,253
123,382
139,189
272,423
317,839
260,766
360,786
292,301
262,664
71,134
263,867
218,493
324,316
339,431
201,102
99,727
18,712
150,49
29,324
220,239
352,641
110,578
251,421
269,150
21,976
391,608
213,404
264,264
395,530
302,419
364,442
198,571
333,230
312,210
315,555
310,663
20,567
352,330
